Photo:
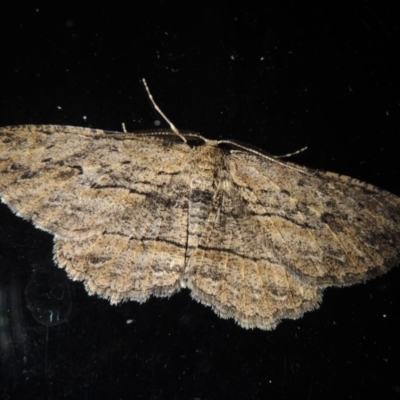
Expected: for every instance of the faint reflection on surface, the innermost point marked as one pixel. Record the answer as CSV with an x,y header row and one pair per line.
x,y
48,297
5,334
15,343
24,343
13,335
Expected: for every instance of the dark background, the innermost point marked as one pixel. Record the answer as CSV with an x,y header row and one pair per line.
x,y
278,77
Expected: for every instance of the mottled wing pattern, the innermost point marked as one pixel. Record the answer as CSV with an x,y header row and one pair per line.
x,y
134,216
119,225
237,270
279,233
325,228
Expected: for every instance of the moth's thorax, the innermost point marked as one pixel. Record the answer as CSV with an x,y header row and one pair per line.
x,y
205,163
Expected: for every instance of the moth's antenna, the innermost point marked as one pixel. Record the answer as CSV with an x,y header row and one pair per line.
x,y
292,154
171,125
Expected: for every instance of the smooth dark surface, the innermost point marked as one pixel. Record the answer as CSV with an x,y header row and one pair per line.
x,y
277,77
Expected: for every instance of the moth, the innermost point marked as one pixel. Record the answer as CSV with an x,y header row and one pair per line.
x,y
135,215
